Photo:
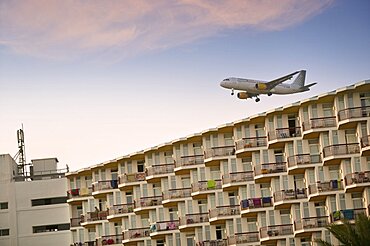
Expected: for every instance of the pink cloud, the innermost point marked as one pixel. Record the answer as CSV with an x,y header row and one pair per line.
x,y
71,28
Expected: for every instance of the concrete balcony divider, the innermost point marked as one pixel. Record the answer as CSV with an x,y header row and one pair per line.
x,y
244,237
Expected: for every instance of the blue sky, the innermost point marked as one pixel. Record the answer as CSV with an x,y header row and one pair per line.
x,y
110,79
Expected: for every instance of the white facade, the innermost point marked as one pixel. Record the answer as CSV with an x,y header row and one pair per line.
x,y
32,212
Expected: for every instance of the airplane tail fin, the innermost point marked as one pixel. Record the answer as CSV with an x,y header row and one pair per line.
x,y
307,87
299,81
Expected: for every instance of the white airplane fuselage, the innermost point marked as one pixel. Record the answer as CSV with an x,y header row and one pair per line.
x,y
249,86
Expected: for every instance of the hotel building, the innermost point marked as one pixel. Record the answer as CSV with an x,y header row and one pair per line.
x,y
33,204
276,178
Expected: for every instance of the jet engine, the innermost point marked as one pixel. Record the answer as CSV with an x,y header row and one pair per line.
x,y
261,86
243,95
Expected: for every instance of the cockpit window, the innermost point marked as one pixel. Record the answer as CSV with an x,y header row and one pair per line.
x,y
226,80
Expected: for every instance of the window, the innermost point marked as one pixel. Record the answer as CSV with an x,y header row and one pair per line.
x,y
3,205
140,166
48,201
4,232
357,199
50,228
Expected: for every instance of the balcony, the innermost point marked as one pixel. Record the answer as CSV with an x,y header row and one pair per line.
x,y
101,188
321,190
190,221
365,146
126,181
216,242
277,232
120,210
76,222
298,164
306,226
145,203
357,181
222,213
135,235
213,155
245,146
278,137
348,118
76,196
187,163
333,154
313,128
110,240
172,197
243,238
160,229
90,243
264,172
203,188
232,181
156,172
251,206
347,214
93,218
285,198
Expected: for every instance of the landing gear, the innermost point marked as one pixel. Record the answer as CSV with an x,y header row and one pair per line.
x,y
257,99
269,94
232,92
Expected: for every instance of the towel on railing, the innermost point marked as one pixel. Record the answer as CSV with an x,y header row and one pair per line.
x,y
211,184
84,191
153,227
75,192
114,184
171,226
257,202
334,184
245,203
266,200
348,214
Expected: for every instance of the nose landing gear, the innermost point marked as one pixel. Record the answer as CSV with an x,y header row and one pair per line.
x,y
232,92
257,99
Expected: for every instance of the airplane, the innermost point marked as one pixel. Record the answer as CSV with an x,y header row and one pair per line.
x,y
253,88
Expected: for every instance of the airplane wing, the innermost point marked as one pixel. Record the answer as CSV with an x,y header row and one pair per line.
x,y
275,82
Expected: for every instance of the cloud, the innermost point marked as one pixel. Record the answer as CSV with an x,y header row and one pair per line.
x,y
70,29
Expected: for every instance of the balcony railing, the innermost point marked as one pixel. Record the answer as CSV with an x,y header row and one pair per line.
x,y
110,239
132,177
90,243
312,222
136,233
189,160
121,209
303,159
216,242
76,221
237,177
341,149
322,122
105,185
269,168
319,187
244,237
177,193
206,185
194,218
260,202
285,195
348,214
365,141
94,216
219,151
277,230
254,142
224,211
282,133
148,201
79,192
160,169
357,178
352,113
164,226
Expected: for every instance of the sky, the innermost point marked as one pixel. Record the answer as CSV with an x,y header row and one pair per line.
x,y
95,80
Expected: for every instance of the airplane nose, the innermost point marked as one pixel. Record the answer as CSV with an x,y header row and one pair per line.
x,y
223,84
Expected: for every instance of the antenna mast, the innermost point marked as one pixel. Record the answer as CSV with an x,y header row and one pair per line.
x,y
21,154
